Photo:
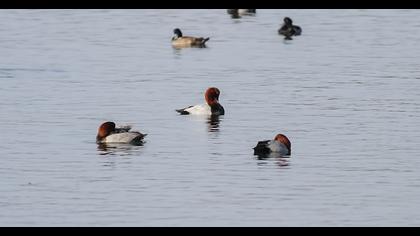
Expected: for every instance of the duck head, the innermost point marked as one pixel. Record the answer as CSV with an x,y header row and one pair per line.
x,y
287,21
178,33
281,138
212,96
105,129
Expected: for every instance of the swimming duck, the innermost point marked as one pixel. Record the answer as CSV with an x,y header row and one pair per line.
x,y
108,133
280,144
212,106
187,41
240,12
288,29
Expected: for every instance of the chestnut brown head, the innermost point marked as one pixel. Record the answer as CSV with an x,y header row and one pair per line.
x,y
284,140
212,96
105,129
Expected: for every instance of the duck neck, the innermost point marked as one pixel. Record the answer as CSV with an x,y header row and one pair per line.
x,y
216,108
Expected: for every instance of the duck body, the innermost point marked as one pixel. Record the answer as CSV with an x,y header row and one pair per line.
x,y
241,12
202,109
178,40
126,137
269,146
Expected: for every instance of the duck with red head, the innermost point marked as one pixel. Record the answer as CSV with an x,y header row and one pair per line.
x,y
212,106
109,133
281,145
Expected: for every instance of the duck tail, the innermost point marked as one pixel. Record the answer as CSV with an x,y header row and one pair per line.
x,y
262,147
182,111
138,140
206,39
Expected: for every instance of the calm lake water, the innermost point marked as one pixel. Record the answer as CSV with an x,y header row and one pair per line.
x,y
346,93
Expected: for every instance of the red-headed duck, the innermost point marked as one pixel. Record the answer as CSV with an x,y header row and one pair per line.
x,y
280,144
212,107
108,133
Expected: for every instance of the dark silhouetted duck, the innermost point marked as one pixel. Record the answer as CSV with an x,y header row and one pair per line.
x,y
187,41
212,106
288,29
280,144
108,133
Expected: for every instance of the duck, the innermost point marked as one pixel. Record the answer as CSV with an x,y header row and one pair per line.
x,y
109,133
280,144
288,29
187,41
240,12
212,106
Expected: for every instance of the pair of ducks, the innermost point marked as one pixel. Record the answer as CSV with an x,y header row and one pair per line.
x,y
237,13
109,133
180,41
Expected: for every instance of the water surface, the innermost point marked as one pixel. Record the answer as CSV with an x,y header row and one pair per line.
x,y
345,92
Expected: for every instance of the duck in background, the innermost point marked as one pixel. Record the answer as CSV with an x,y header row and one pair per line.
x,y
212,106
288,29
237,13
109,133
180,41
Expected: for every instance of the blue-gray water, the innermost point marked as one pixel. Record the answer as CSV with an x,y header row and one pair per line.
x,y
346,92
